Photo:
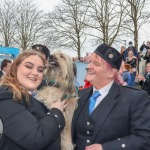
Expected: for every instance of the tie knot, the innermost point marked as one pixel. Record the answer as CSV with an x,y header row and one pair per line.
x,y
96,94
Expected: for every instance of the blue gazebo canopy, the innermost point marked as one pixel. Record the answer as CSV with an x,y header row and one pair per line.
x,y
14,52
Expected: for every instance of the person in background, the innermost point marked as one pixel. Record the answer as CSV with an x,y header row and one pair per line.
x,y
74,59
132,60
144,47
86,57
115,117
144,81
125,74
122,50
146,57
5,66
46,55
81,59
27,123
130,48
43,50
80,88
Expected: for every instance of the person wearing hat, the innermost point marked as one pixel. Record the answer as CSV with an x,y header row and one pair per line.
x,y
130,48
110,116
43,50
46,55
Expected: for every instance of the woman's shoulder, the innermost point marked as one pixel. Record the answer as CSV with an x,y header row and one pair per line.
x,y
4,88
5,92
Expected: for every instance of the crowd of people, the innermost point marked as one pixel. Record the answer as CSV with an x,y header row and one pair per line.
x,y
130,65
111,113
84,59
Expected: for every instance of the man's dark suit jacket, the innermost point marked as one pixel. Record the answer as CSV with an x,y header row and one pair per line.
x,y
123,119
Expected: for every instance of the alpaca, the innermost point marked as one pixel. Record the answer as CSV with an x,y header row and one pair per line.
x,y
60,73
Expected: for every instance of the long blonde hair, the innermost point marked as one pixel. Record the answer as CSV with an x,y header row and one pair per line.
x,y
10,79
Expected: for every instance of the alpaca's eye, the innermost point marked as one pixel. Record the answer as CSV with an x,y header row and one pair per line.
x,y
61,56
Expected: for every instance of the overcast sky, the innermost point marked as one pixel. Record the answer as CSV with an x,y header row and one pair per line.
x,y
47,5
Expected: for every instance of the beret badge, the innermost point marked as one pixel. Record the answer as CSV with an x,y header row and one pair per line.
x,y
38,48
110,55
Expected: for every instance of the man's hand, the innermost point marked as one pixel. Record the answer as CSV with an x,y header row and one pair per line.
x,y
94,147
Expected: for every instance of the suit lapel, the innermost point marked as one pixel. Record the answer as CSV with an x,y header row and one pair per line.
x,y
105,107
81,103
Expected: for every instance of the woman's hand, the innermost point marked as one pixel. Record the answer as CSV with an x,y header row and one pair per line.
x,y
61,105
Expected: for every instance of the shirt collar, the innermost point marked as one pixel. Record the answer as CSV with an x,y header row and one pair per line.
x,y
105,89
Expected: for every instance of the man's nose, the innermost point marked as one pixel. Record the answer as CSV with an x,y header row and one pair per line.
x,y
90,65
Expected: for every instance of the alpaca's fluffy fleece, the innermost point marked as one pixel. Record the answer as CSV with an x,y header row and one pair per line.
x,y
62,72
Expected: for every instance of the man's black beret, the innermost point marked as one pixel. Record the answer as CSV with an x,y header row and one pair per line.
x,y
110,55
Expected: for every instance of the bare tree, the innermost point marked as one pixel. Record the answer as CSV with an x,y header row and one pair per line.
x,y
28,23
7,28
105,19
67,25
137,14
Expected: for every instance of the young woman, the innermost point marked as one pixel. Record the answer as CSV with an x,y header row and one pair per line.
x,y
27,123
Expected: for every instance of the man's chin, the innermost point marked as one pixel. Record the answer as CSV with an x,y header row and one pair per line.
x,y
89,78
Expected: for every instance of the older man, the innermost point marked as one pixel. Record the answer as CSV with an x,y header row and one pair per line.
x,y
110,116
